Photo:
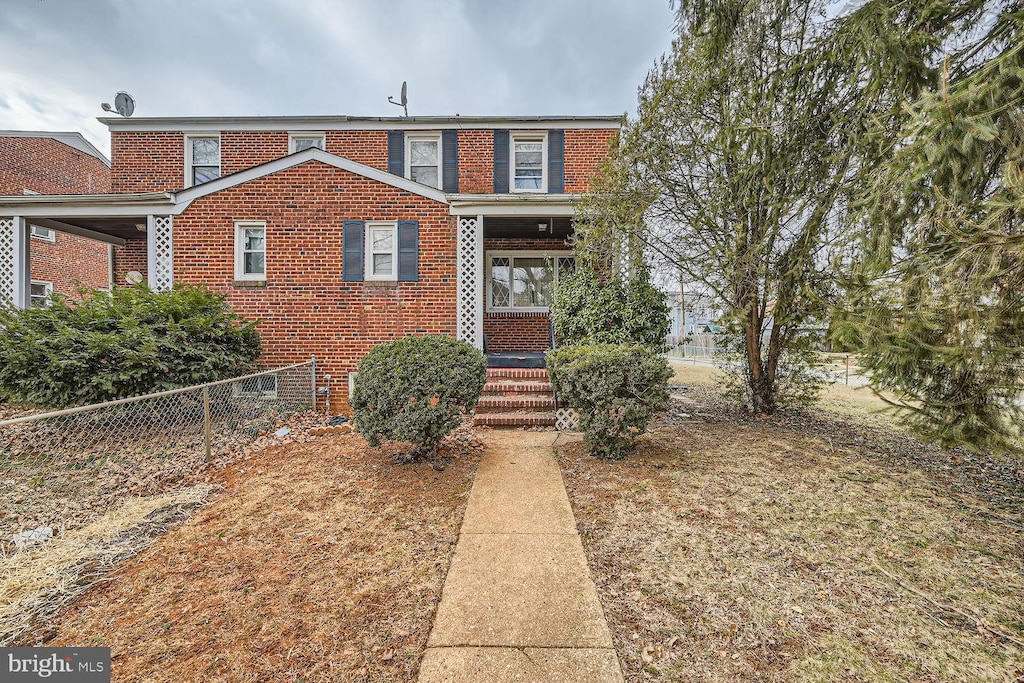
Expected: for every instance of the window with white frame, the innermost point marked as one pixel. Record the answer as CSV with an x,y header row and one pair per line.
x,y
382,251
40,293
202,159
524,280
423,159
529,161
300,141
263,386
250,251
44,233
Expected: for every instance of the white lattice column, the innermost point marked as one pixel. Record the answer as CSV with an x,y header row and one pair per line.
x,y
15,274
160,252
470,309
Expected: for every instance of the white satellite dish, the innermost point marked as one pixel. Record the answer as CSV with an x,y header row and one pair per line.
x,y
124,104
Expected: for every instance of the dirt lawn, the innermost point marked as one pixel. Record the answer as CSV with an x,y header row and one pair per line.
x,y
810,549
321,561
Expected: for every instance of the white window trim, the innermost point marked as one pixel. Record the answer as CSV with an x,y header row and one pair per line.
x,y
188,154
260,393
49,290
48,234
240,274
304,135
513,254
417,137
368,251
528,136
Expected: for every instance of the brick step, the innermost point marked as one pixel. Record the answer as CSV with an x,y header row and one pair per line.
x,y
507,387
504,404
518,419
539,374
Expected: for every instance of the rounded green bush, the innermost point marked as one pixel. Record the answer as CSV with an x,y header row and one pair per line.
x,y
126,342
616,389
416,390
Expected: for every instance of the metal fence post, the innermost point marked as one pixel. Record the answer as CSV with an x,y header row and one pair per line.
x,y
206,422
847,370
312,379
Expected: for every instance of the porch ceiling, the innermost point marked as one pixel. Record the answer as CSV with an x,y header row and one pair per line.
x,y
527,227
122,226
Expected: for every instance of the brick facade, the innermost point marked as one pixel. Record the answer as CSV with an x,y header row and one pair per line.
x,y
44,165
306,308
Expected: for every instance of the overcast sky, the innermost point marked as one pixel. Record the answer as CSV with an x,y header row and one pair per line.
x,y
62,58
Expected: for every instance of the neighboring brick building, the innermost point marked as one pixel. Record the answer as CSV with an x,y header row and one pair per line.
x,y
49,163
339,233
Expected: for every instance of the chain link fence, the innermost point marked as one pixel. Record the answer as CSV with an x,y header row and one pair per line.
x,y
63,468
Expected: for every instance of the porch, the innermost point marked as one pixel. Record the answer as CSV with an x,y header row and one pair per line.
x,y
509,260
138,226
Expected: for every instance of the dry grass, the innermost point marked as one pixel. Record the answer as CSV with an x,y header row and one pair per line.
x,y
728,550
36,582
321,561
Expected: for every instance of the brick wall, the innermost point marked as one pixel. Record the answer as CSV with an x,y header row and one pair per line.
x,y
132,256
584,152
306,308
47,166
476,161
155,161
71,262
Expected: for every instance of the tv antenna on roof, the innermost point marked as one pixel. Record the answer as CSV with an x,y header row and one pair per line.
x,y
404,103
124,104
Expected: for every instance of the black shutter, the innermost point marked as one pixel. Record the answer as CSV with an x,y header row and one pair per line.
x,y
352,251
408,251
450,160
501,138
396,152
556,161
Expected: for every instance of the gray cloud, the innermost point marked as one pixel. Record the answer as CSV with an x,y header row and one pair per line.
x,y
61,58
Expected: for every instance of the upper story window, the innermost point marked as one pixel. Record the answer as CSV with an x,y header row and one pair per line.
x,y
381,251
44,233
202,159
528,162
300,141
423,159
250,251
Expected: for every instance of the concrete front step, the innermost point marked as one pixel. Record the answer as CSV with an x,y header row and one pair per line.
x,y
539,374
523,402
505,387
515,419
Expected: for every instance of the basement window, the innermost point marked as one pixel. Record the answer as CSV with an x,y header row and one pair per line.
x,y
40,293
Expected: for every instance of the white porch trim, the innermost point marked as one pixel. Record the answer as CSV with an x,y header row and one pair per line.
x,y
523,204
15,262
470,281
160,252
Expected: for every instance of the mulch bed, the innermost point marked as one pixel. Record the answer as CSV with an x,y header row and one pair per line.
x,y
319,561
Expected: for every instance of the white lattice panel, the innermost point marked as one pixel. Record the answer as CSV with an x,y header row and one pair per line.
x,y
470,281
161,265
8,269
567,420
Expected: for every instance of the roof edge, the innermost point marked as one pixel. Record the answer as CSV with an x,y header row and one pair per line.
x,y
70,138
176,123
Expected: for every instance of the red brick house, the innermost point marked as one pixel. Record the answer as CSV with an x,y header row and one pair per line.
x,y
50,163
338,233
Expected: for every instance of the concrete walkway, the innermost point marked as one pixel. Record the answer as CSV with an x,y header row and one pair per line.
x,y
519,604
